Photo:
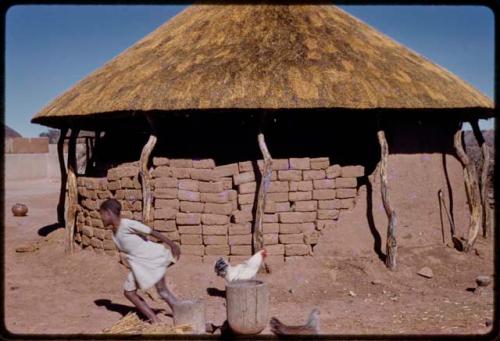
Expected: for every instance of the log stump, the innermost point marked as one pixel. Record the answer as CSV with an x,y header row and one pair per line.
x,y
247,306
191,312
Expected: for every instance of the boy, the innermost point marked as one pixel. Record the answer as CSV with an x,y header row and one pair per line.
x,y
148,260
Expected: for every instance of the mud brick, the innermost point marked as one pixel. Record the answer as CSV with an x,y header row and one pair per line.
x,y
214,219
301,186
114,185
80,181
328,214
215,230
165,213
235,260
270,227
128,214
211,259
297,217
215,240
173,236
184,195
97,223
127,183
324,224
165,183
204,175
323,194
282,206
246,198
300,163
188,185
278,186
241,250
270,239
137,206
346,203
314,174
191,207
165,225
270,207
82,191
242,216
270,218
211,187
204,164
305,206
111,253
108,234
297,250
227,170
245,166
292,238
181,173
290,228
188,219
300,196
219,198
333,171
137,216
232,195
126,205
243,178
162,171
160,161
194,229
96,243
164,203
108,245
214,208
346,182
217,250
311,238
324,184
308,227
249,187
290,175
280,164
181,163
343,193
78,238
191,239
352,171
137,184
166,193
85,240
234,205
329,204
244,239
278,196
239,229
125,172
277,249
246,207
88,231
320,163
89,193
94,214
196,250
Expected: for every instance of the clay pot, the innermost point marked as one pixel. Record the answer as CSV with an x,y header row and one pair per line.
x,y
19,210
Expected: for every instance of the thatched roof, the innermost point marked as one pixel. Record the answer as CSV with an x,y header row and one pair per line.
x,y
264,56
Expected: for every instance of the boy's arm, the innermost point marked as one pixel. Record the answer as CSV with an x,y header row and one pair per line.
x,y
176,251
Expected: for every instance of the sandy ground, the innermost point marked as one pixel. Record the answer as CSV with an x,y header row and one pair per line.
x,y
47,291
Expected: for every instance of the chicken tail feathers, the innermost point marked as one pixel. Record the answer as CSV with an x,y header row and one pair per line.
x,y
276,326
221,267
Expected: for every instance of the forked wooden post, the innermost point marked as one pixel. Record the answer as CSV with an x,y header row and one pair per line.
x,y
147,193
472,191
391,246
64,177
485,152
72,193
258,236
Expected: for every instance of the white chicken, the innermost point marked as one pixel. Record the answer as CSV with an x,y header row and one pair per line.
x,y
244,271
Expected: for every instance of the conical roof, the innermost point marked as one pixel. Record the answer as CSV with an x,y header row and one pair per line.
x,y
264,56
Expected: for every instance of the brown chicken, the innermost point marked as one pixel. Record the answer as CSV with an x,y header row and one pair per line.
x,y
311,326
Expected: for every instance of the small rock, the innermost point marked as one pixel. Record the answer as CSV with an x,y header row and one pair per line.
x,y
488,322
352,293
290,291
483,281
425,272
376,282
27,248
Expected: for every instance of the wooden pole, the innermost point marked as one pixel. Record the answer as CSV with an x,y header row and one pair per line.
x,y
258,235
485,152
72,193
64,177
147,193
391,246
472,191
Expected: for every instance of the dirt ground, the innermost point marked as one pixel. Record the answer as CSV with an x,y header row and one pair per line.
x,y
47,291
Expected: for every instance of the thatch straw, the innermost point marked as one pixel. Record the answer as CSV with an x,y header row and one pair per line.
x,y
264,56
132,324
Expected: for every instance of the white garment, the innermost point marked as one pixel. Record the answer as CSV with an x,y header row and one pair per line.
x,y
148,260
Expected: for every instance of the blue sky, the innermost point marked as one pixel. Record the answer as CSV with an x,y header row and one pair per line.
x,y
50,48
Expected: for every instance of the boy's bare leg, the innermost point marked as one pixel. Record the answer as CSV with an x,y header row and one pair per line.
x,y
166,294
141,305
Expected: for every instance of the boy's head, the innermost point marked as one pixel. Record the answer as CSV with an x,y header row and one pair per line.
x,y
110,210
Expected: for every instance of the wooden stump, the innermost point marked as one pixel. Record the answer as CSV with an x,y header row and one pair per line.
x,y
247,306
192,313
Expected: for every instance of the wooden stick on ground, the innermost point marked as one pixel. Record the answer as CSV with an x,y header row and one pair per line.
x,y
391,247
61,219
147,194
72,193
472,191
485,152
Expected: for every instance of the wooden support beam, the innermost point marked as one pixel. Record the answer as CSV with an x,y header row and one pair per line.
x,y
485,165
72,193
64,177
391,246
258,235
472,190
145,176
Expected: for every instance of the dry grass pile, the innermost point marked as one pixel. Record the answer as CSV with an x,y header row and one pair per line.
x,y
132,324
